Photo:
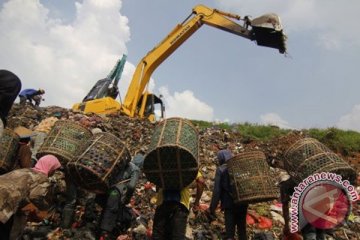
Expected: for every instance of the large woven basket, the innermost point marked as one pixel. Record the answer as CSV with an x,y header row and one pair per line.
x,y
66,140
308,156
250,178
172,158
9,144
98,167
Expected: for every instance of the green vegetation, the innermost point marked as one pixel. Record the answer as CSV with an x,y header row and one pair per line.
x,y
260,132
202,124
338,140
247,130
341,141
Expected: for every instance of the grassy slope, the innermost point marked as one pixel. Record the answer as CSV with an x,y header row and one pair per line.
x,y
341,141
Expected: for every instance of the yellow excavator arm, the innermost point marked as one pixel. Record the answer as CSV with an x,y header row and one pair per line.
x,y
266,31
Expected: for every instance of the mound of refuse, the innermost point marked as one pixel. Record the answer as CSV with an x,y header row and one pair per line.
x,y
263,218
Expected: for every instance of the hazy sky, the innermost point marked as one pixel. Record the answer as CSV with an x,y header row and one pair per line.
x,y
66,46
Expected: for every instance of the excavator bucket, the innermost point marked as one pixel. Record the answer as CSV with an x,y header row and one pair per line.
x,y
267,31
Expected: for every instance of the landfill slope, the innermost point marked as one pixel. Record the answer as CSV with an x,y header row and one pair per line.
x,y
136,133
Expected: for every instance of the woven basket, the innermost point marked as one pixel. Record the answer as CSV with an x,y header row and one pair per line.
x,y
66,141
172,158
97,168
308,156
250,178
9,144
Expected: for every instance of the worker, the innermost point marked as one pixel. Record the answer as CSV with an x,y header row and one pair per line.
x,y
68,212
10,86
20,187
40,133
113,92
113,203
138,159
172,211
31,95
23,157
309,232
235,214
71,195
118,197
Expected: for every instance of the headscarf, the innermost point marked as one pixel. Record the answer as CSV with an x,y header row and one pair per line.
x,y
47,164
223,156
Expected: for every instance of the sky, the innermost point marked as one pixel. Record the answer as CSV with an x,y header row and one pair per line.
x,y
65,46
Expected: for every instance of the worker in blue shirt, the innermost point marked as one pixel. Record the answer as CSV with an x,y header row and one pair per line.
x,y
31,95
234,214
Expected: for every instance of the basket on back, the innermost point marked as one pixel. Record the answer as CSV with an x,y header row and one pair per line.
x,y
97,168
250,178
172,158
308,156
9,144
66,140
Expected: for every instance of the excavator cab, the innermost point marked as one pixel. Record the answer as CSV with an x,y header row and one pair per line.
x,y
150,106
101,99
99,90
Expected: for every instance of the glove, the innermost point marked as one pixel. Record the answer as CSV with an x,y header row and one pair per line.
x,y
210,215
195,208
125,199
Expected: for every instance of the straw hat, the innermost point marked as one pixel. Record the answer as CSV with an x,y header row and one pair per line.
x,y
23,132
96,130
283,176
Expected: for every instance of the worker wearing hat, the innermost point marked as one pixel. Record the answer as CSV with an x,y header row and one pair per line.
x,y
23,157
31,95
41,131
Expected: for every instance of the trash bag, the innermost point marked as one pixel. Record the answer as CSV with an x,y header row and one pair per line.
x,y
125,218
263,236
264,223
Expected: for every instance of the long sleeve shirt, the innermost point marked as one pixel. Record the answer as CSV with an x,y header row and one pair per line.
x,y
131,173
28,92
222,189
21,186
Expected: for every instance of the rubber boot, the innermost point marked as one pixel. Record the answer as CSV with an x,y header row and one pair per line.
x,y
18,225
66,220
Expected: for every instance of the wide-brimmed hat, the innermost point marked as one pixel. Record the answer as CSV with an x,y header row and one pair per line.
x,y
283,176
24,132
96,130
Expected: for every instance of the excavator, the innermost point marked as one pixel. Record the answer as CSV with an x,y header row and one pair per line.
x,y
265,31
102,97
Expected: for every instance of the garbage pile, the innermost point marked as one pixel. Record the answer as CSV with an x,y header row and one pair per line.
x,y
261,218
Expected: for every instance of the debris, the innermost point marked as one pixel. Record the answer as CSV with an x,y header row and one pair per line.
x,y
136,134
